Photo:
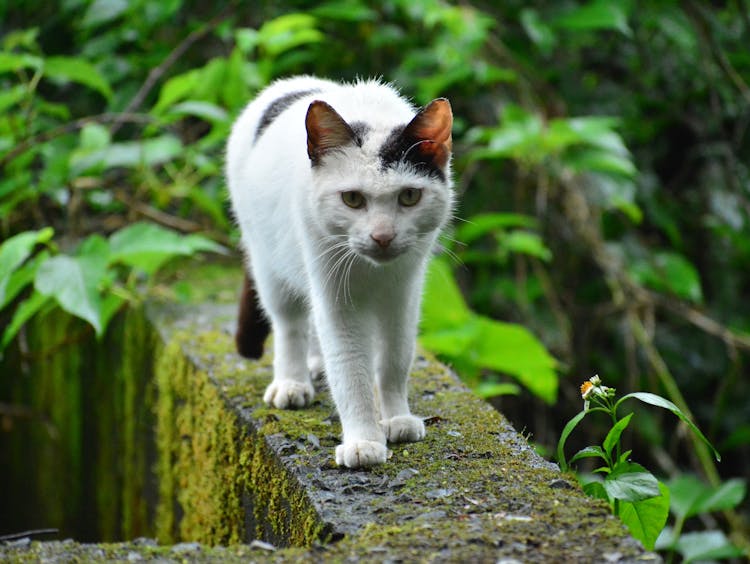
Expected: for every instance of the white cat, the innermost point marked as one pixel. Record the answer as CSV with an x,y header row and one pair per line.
x,y
340,192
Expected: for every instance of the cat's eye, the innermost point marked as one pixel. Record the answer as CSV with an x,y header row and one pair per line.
x,y
409,196
353,199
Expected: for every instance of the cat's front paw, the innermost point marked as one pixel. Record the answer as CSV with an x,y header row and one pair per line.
x,y
361,454
288,394
403,429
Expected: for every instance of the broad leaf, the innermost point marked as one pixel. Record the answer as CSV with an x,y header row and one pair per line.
x,y
670,272
12,62
102,11
588,452
596,15
147,152
75,69
479,225
13,252
645,519
705,546
658,401
691,496
21,278
514,350
596,490
631,482
147,246
73,283
25,311
486,390
443,307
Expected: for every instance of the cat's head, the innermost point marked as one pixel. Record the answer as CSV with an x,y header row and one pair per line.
x,y
379,191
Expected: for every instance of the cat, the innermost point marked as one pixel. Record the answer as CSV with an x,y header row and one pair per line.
x,y
340,192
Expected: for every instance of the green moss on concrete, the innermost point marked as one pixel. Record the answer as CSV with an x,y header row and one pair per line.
x,y
198,459
210,470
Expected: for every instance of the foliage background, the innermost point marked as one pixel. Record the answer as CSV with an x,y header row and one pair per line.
x,y
601,153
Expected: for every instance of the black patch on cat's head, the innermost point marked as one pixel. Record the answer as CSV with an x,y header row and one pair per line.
x,y
278,106
425,142
360,129
399,148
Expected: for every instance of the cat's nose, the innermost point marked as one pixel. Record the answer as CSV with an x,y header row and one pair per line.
x,y
383,239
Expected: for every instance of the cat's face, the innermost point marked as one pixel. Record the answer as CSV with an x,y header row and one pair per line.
x,y
380,193
383,219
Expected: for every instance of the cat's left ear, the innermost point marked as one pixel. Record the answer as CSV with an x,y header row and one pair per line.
x,y
430,130
326,131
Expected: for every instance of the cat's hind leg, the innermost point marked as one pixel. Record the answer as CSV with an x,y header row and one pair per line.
x,y
314,355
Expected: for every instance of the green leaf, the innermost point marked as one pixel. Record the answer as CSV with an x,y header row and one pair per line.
x,y
204,110
600,160
146,246
525,242
94,136
487,390
645,519
726,495
596,490
706,546
631,482
514,350
25,311
177,88
14,251
538,31
666,271
596,15
567,430
613,437
443,307
12,96
589,452
149,152
21,278
102,11
73,282
479,225
453,342
13,62
345,11
74,69
287,32
691,496
658,401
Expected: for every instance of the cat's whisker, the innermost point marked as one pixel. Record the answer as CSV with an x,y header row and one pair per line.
x,y
453,256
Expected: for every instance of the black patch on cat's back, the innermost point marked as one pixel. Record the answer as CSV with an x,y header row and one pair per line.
x,y
396,148
278,106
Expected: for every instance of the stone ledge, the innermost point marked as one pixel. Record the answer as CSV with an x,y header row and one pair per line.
x,y
231,470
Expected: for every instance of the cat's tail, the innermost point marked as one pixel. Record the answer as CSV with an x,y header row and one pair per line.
x,y
252,325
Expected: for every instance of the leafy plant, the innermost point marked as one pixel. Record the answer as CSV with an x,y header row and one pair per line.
x,y
691,497
634,494
474,342
91,283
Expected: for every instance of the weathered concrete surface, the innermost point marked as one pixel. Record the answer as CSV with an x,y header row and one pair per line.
x,y
231,470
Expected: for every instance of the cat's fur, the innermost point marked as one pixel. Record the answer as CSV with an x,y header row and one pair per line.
x,y
341,285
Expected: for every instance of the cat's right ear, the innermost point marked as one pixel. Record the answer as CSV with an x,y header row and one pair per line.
x,y
326,131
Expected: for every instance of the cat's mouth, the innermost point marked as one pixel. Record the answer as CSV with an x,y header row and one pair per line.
x,y
380,255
